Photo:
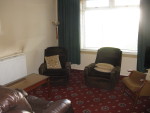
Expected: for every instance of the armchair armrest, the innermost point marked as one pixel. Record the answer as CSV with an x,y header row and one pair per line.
x,y
115,74
88,68
116,70
68,66
42,68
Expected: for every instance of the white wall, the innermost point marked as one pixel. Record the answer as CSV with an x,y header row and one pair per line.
x,y
128,62
26,26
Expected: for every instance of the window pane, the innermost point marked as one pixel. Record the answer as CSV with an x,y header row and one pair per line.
x,y
126,2
116,27
97,3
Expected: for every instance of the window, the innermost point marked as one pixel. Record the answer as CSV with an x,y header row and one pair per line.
x,y
110,23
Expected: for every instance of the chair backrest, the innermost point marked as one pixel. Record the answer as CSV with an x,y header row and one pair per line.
x,y
137,84
109,55
137,77
50,51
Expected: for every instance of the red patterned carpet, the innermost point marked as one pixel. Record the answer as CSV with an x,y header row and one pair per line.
x,y
94,100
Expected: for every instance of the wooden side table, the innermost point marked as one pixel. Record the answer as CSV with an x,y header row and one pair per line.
x,y
30,82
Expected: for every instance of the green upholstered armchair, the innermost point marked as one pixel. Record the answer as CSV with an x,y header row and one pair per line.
x,y
56,65
102,79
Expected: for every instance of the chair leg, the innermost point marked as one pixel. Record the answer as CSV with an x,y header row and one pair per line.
x,y
124,88
136,99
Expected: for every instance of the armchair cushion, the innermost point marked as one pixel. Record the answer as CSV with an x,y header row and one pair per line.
x,y
53,62
104,67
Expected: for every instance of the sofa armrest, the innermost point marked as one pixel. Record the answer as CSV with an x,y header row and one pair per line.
x,y
19,111
25,94
11,100
60,106
38,104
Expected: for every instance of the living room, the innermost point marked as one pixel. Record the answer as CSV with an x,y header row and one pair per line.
x,y
26,26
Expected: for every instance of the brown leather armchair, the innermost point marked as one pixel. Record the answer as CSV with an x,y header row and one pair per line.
x,y
137,84
104,80
18,101
58,76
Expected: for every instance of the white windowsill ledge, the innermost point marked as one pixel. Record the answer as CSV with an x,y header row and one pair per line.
x,y
125,53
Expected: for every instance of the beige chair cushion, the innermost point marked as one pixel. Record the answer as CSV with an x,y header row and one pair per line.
x,y
53,62
104,67
133,86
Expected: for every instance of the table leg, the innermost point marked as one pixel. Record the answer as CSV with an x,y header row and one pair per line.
x,y
49,87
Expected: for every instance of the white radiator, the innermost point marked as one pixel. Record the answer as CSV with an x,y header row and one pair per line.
x,y
12,68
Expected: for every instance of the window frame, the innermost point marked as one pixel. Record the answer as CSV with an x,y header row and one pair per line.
x,y
84,8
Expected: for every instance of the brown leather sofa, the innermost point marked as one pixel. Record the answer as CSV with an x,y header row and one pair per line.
x,y
18,101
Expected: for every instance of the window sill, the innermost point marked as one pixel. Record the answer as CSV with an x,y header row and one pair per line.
x,y
125,53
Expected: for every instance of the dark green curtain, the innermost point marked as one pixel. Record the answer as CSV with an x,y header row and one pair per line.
x,y
69,28
144,35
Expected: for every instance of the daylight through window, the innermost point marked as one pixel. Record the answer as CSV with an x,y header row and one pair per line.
x,y
110,23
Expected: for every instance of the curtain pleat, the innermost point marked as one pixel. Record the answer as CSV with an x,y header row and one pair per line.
x,y
144,35
69,28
